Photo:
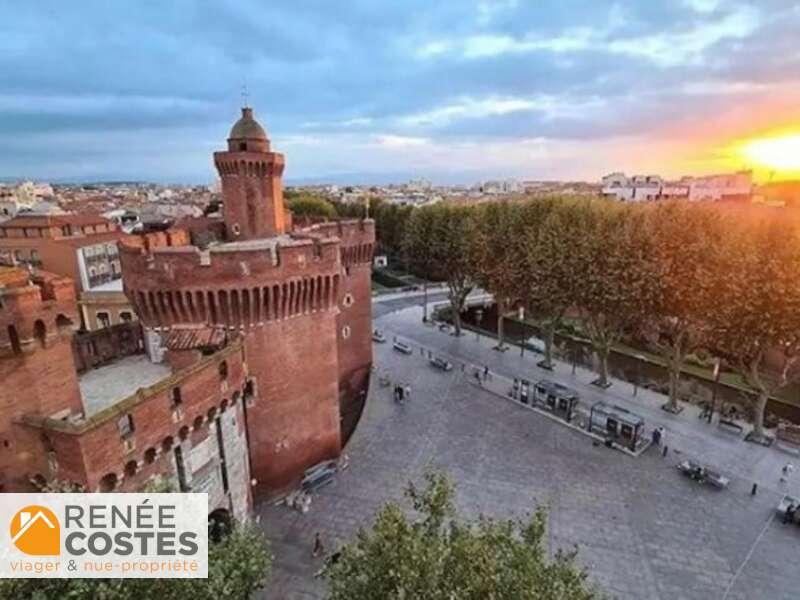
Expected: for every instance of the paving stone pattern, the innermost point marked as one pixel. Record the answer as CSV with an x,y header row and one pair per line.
x,y
644,530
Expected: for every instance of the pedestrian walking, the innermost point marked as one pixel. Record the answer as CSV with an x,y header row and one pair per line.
x,y
656,437
401,393
478,377
486,373
662,438
318,547
754,489
408,392
786,472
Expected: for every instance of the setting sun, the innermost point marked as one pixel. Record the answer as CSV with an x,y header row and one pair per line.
x,y
780,153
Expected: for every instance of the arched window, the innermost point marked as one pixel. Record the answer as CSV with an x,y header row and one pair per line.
x,y
131,467
108,483
220,524
40,332
63,322
150,456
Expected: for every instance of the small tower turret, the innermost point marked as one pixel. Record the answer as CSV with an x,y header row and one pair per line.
x,y
252,189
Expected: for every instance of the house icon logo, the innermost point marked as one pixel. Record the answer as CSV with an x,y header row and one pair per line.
x,y
35,530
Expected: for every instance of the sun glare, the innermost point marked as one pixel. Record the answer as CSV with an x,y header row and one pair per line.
x,y
780,153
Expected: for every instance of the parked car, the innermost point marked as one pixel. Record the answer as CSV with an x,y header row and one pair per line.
x,y
403,347
377,336
703,474
441,363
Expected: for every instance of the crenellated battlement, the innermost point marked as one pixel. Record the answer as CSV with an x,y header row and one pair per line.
x,y
239,284
158,239
272,258
356,237
34,308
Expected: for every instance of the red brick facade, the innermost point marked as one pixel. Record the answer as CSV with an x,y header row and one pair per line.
x,y
300,299
267,334
36,316
46,433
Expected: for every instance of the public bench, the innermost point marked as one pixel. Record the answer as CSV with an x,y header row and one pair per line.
x,y
703,474
731,426
318,476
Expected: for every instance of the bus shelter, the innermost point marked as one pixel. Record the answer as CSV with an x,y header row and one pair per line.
x,y
557,398
618,424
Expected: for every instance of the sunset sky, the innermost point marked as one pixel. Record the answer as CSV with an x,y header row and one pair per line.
x,y
369,91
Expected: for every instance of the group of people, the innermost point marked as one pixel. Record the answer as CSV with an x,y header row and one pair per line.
x,y
402,393
481,376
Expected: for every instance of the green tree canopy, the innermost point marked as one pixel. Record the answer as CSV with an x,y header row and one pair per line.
x,y
498,256
440,236
617,275
755,325
685,238
551,249
438,556
239,565
306,204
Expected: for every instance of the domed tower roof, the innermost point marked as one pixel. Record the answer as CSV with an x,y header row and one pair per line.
x,y
247,127
247,134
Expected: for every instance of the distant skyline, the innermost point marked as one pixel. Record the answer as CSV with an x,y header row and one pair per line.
x,y
368,91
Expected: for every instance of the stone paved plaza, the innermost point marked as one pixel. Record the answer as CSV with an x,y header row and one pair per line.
x,y
644,530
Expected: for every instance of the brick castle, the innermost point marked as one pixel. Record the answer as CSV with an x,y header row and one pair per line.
x,y
249,362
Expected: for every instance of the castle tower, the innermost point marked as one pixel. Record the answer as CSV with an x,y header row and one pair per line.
x,y
251,182
299,300
37,368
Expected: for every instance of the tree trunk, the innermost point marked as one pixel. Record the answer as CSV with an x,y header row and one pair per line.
x,y
758,413
456,320
674,378
549,337
602,355
500,331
